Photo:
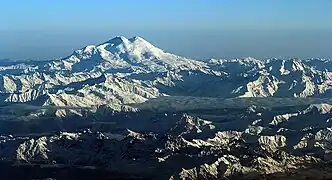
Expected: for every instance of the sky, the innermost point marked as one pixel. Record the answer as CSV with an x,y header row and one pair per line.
x,y
201,29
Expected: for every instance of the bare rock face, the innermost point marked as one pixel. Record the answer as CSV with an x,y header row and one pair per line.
x,y
32,150
272,143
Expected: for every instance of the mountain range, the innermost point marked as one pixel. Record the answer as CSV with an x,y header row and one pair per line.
x,y
124,71
144,113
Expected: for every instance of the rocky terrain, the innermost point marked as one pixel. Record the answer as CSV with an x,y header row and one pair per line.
x,y
125,109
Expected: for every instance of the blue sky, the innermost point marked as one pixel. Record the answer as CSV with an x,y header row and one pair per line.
x,y
40,29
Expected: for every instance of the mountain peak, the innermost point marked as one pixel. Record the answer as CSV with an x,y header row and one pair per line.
x,y
136,38
118,40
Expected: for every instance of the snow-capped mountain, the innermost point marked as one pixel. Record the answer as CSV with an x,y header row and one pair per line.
x,y
125,71
132,55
